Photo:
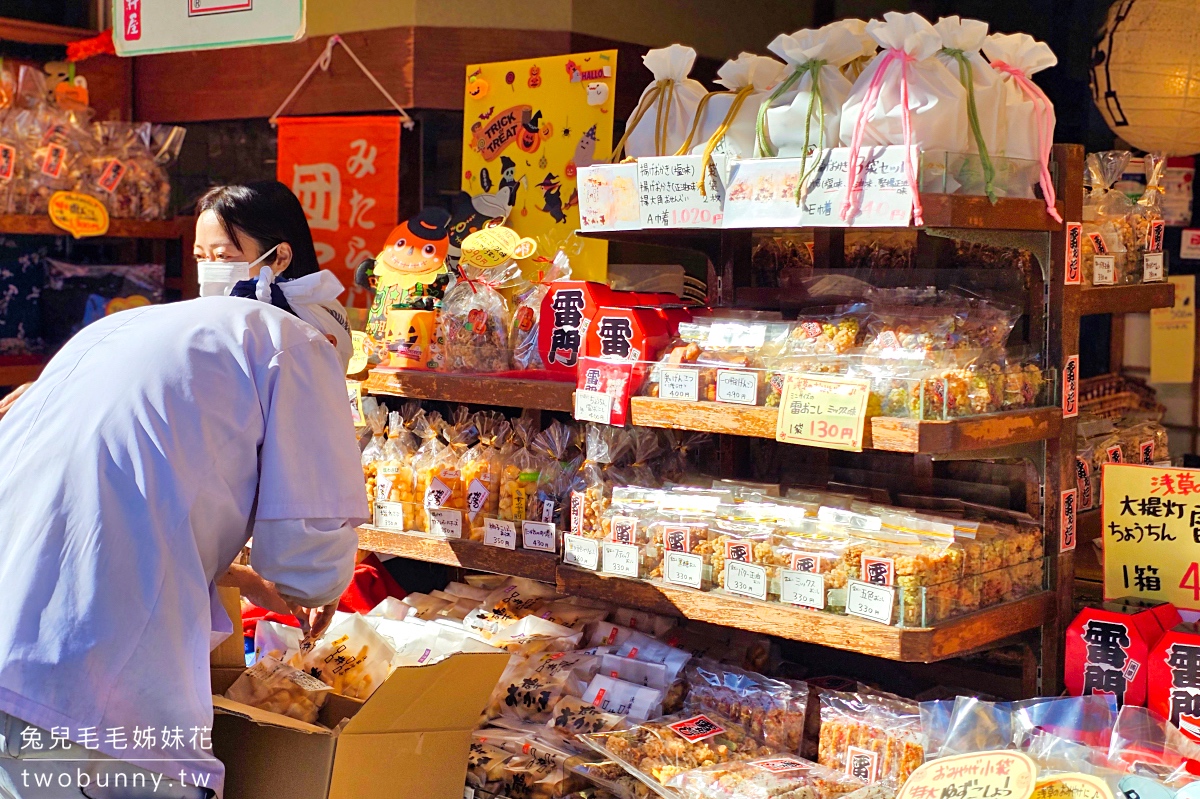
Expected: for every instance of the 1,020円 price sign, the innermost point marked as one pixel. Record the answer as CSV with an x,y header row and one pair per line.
x,y
823,411
1151,532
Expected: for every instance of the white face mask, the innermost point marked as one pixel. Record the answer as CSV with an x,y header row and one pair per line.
x,y
218,277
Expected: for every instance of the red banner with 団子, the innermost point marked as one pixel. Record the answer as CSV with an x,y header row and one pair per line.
x,y
346,172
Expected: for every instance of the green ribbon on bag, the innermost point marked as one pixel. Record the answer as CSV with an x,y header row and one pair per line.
x,y
966,77
816,103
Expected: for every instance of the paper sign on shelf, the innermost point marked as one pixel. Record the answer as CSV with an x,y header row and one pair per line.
x,y
142,27
678,384
802,588
1153,269
1173,334
500,533
883,196
762,192
869,601
81,215
1070,387
1004,773
389,515
682,568
620,559
1074,263
669,192
823,411
1068,515
540,536
593,406
608,197
445,523
581,551
1147,529
1189,244
746,579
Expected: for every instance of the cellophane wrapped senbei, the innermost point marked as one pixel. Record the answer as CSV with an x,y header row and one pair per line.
x,y
872,737
772,777
592,490
472,326
1109,246
526,318
658,750
773,711
279,688
530,688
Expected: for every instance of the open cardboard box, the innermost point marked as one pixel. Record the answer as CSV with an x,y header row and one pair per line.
x,y
410,740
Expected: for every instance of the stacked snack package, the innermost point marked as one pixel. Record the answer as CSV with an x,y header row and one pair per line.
x,y
872,737
1109,243
442,475
553,446
473,324
394,477
526,318
427,428
481,468
1147,221
592,488
372,454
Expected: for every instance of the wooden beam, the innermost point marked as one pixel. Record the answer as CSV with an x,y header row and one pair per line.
x,y
26,32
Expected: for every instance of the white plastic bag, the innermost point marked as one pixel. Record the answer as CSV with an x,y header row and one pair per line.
x,y
664,114
279,688
392,608
352,657
749,79
805,109
904,96
1027,129
962,40
613,695
275,640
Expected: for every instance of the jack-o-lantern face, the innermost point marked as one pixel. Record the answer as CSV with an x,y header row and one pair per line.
x,y
413,256
477,88
408,335
528,140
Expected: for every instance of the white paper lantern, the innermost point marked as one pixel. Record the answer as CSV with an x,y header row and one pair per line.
x,y
1146,74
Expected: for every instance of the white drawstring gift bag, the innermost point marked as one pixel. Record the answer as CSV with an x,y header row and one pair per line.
x,y
962,40
725,121
817,88
905,96
857,27
664,114
1027,130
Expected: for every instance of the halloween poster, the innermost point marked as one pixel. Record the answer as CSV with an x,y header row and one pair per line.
x,y
528,126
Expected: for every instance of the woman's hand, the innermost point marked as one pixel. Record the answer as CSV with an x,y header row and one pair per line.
x,y
7,401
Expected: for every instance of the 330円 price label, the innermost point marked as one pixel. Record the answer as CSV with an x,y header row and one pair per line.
x,y
823,411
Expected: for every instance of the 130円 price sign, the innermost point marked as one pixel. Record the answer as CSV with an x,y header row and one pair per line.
x,y
1151,532
823,411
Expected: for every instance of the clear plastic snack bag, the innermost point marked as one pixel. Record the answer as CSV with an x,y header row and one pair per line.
x,y
593,488
1147,221
472,326
352,657
394,477
481,468
279,688
870,736
1108,236
526,318
372,454
772,710
426,429
552,448
275,640
531,687
614,695
442,475
770,777
520,476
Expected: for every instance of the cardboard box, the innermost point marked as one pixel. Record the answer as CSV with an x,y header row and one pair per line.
x,y
230,653
1108,649
408,741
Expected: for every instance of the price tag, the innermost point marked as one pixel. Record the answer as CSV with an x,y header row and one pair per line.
x,y
803,588
81,215
499,533
538,535
1152,267
823,411
620,559
581,552
1012,774
869,601
389,515
445,523
477,495
1104,270
669,193
679,384
746,579
681,568
737,387
593,406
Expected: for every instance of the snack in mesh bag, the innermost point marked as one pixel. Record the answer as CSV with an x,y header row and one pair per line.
x,y
871,737
279,688
352,657
771,777
658,750
773,711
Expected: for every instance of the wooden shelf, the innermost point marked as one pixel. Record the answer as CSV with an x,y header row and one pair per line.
x,y
547,395
1139,298
30,225
924,644
883,433
460,552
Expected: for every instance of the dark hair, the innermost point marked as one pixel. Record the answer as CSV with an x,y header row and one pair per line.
x,y
269,213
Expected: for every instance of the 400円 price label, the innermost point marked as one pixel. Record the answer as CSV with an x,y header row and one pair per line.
x,y
823,411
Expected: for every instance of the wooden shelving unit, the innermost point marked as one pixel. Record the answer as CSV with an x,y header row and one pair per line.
x,y
884,433
1139,298
460,552
39,225
546,395
1053,329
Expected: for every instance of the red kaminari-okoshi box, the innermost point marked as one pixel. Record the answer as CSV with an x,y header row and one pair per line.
x,y
1174,678
566,317
1108,648
627,334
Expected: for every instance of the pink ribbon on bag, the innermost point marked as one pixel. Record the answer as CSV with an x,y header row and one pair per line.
x,y
1045,130
855,166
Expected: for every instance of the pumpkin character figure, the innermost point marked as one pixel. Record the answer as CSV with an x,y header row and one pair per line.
x,y
412,259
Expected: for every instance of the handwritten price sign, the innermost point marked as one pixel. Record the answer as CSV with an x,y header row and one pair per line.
x,y
823,411
1007,774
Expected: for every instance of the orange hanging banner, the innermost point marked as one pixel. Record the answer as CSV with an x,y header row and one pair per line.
x,y
346,172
